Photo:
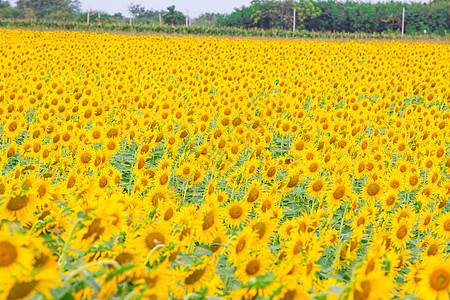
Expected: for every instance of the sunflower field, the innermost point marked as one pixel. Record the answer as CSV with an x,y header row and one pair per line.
x,y
146,167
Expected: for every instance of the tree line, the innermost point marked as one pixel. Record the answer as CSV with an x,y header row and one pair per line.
x,y
329,15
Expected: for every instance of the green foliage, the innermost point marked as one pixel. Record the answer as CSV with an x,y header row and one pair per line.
x,y
381,17
48,9
173,17
8,12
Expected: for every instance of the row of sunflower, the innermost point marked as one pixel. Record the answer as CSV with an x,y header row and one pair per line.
x,y
159,167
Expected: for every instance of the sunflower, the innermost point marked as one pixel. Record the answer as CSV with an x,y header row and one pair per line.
x,y
254,191
195,277
317,187
287,229
157,194
111,146
434,279
339,192
401,233
412,180
425,220
253,265
236,212
16,257
388,200
13,126
269,171
372,190
18,205
211,216
433,245
219,241
162,178
152,239
442,226
264,226
241,245
374,285
185,169
24,287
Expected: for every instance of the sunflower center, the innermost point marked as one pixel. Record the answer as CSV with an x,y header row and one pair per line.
x,y
240,245
195,276
111,146
253,267
395,184
8,254
290,294
313,167
440,280
17,202
413,180
432,250
402,232
339,193
390,200
373,189
271,172
235,212
253,195
156,197
186,170
365,291
42,191
124,258
12,126
317,186
169,214
153,239
216,244
103,182
266,205
447,225
208,220
164,179
85,158
361,221
293,181
22,289
260,228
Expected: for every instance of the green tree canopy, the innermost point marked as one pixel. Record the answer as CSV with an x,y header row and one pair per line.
x,y
173,17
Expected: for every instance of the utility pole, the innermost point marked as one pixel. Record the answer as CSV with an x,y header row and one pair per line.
x,y
88,17
98,18
403,21
160,19
293,27
131,23
187,18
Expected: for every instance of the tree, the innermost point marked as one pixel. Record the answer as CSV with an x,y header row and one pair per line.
x,y
53,9
279,14
207,19
137,10
8,12
173,17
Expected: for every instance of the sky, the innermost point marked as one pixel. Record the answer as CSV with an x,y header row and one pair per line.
x,y
193,8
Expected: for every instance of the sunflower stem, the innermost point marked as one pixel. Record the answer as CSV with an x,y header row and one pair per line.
x,y
85,267
35,224
154,249
342,219
62,258
189,296
184,191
